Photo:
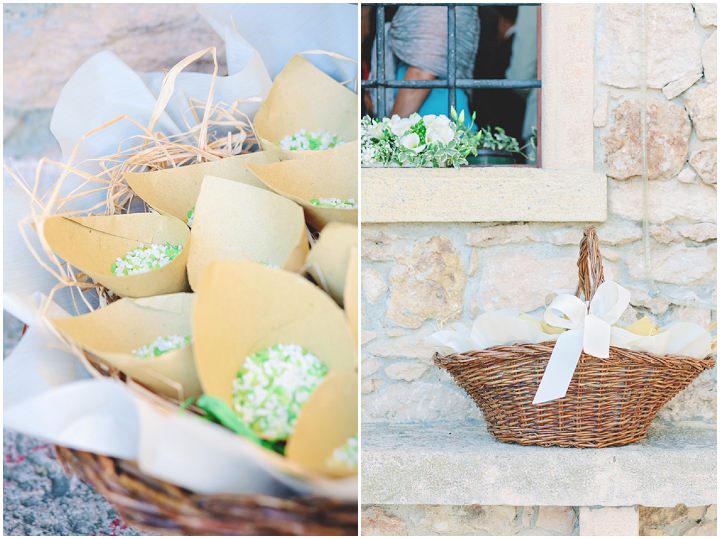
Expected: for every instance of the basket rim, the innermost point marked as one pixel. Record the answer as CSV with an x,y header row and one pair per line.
x,y
519,348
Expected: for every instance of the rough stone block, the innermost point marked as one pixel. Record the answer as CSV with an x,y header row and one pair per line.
x,y
667,135
57,38
609,521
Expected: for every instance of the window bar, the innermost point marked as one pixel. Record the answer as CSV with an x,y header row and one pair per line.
x,y
459,83
451,82
380,43
451,60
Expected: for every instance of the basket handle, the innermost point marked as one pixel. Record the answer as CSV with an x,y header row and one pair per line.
x,y
590,266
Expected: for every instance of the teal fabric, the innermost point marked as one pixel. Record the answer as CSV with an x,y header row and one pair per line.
x,y
437,100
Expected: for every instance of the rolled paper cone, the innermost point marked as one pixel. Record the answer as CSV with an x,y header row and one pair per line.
x,y
113,332
244,307
329,174
303,97
326,421
234,221
327,261
92,244
174,191
351,294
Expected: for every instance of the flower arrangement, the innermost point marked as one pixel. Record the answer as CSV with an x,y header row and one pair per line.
x,y
429,141
417,141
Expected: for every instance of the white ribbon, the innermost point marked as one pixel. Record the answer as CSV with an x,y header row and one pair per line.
x,y
588,330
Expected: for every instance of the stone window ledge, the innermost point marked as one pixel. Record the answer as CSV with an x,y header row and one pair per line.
x,y
461,464
477,194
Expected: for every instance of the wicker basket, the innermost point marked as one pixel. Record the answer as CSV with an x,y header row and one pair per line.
x,y
609,402
158,506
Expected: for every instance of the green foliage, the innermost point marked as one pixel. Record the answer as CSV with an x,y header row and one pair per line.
x,y
218,412
498,140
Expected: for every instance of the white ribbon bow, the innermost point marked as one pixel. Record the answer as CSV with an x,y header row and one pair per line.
x,y
587,331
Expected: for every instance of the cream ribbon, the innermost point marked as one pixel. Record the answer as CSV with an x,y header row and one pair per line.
x,y
589,330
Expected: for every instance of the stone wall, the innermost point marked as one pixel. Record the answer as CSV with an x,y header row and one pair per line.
x,y
416,277
504,520
57,38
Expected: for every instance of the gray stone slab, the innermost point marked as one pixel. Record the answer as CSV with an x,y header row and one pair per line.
x,y
460,463
39,499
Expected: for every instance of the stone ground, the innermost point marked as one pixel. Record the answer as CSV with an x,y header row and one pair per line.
x,y
38,498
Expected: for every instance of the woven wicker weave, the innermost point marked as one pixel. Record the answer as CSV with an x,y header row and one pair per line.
x,y
609,402
155,505
162,507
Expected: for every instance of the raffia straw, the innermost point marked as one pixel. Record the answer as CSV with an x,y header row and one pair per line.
x,y
147,151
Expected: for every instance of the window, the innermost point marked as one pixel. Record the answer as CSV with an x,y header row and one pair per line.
x,y
507,45
564,189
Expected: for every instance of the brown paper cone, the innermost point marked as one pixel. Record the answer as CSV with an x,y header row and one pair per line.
x,y
351,294
303,97
244,307
92,244
329,174
327,261
113,332
234,221
174,191
326,421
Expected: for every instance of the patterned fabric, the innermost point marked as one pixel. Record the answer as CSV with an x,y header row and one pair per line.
x,y
417,36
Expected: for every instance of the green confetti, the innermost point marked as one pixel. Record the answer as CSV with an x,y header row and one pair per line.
x,y
307,140
343,203
145,258
162,345
271,387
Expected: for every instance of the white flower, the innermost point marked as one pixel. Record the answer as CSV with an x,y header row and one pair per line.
x,y
439,133
442,120
375,130
399,126
431,121
412,142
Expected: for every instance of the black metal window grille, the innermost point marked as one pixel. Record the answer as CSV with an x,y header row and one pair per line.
x,y
451,83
